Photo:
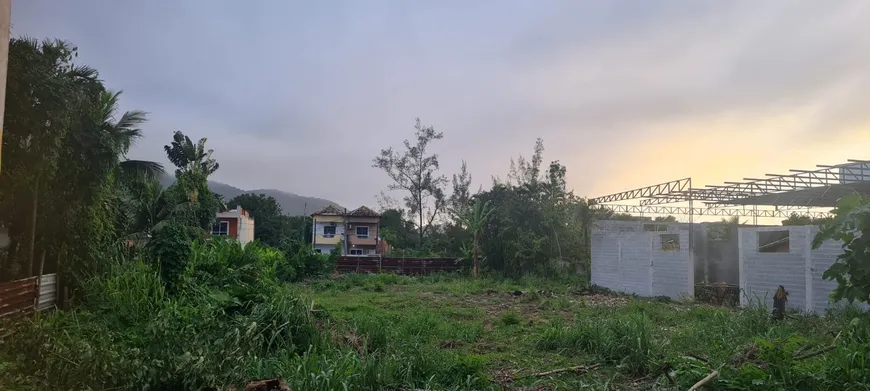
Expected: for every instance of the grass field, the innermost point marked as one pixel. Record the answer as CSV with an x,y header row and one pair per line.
x,y
499,339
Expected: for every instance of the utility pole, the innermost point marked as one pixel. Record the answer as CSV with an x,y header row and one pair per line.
x,y
5,26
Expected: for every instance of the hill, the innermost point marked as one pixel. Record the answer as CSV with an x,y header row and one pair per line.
x,y
292,204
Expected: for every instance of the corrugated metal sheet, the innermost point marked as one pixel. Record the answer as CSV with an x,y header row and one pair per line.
x,y
21,296
47,292
17,296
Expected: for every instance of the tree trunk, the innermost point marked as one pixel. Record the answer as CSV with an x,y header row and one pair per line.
x,y
420,231
30,252
475,256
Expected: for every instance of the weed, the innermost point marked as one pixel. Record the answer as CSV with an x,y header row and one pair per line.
x,y
509,318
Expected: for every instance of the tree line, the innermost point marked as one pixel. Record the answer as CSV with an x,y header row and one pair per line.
x,y
69,196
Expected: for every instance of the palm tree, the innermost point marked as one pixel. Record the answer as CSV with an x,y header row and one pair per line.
x,y
125,132
475,219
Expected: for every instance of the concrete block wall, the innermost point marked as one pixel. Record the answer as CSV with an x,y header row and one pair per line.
x,y
605,260
673,271
762,273
822,259
799,271
634,264
627,258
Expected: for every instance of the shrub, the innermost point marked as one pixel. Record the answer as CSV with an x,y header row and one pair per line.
x,y
509,318
227,313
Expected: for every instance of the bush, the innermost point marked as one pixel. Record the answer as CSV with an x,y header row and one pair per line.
x,y
509,318
227,313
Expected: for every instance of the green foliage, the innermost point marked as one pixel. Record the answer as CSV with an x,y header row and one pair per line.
x,y
799,219
852,227
272,227
509,318
305,263
64,164
414,172
227,313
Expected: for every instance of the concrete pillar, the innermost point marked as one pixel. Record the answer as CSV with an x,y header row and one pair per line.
x,y
5,16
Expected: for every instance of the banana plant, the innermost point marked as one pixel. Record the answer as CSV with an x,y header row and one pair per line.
x,y
474,219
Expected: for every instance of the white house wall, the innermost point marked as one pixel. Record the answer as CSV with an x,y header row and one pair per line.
x,y
246,230
318,228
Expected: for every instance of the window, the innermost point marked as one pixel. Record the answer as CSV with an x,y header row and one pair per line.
x,y
362,232
221,228
655,227
670,242
329,231
356,251
317,250
773,242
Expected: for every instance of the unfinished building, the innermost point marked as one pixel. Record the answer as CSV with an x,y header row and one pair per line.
x,y
674,259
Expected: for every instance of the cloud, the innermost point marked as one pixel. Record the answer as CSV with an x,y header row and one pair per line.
x,y
300,96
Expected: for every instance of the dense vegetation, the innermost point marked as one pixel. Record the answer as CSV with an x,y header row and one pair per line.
x,y
159,304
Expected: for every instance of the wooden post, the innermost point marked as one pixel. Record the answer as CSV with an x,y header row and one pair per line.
x,y
39,281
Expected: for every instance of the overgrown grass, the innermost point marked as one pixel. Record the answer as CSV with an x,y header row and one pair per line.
x,y
639,343
227,325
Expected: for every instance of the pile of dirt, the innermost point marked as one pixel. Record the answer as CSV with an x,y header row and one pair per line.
x,y
605,300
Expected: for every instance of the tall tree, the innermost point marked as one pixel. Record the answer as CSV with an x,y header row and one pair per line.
x,y
124,133
65,159
415,172
191,202
461,197
271,226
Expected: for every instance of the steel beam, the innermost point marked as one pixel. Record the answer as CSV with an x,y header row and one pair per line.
x,y
646,192
679,210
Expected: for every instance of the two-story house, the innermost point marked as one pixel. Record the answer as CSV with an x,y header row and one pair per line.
x,y
356,231
362,231
328,229
235,224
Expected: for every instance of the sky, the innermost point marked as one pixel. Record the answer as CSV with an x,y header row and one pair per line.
x,y
301,95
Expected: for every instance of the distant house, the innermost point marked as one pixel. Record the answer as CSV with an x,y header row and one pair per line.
x,y
236,224
356,231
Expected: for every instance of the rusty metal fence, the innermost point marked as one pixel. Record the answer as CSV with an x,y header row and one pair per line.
x,y
23,296
396,265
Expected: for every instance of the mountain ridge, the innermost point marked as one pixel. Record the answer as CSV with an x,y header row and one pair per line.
x,y
292,204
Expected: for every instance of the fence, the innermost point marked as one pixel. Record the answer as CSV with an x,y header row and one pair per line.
x,y
23,296
396,265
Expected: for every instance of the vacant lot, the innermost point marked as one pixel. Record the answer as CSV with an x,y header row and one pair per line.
x,y
508,335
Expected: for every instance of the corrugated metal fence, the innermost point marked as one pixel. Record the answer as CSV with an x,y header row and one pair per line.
x,y
23,296
396,265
